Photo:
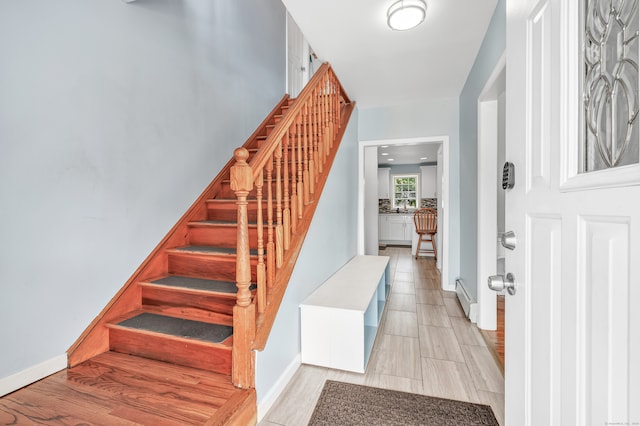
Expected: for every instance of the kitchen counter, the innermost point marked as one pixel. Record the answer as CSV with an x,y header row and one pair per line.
x,y
396,228
396,214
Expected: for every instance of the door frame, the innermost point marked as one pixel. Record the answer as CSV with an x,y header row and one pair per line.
x,y
290,23
444,140
487,229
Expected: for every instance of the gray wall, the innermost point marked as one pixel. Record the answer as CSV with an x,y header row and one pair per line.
x,y
330,243
113,119
431,117
492,48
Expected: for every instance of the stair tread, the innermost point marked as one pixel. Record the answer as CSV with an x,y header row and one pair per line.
x,y
199,284
213,249
179,327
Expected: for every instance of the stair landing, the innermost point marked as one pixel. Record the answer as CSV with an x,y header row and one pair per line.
x,y
114,388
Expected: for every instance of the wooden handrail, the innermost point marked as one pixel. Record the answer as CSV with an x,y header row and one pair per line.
x,y
290,168
259,160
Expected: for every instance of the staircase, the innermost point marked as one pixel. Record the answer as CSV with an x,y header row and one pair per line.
x,y
207,296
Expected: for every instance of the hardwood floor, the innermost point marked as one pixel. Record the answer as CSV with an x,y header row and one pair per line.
x,y
424,345
118,389
495,339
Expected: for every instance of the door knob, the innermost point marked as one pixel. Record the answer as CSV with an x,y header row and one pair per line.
x,y
500,282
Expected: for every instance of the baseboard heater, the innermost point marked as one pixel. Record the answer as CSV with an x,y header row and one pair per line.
x,y
469,305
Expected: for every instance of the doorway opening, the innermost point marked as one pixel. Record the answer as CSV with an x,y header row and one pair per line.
x,y
298,58
368,198
491,207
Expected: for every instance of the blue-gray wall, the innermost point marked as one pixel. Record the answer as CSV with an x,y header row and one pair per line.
x,y
330,243
431,117
493,46
113,119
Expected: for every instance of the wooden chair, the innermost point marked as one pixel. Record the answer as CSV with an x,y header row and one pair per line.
x,y
426,221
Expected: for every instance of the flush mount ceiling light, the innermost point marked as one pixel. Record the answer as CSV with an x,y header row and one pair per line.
x,y
406,14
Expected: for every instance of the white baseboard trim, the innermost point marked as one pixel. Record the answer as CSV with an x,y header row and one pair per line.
x,y
270,398
32,374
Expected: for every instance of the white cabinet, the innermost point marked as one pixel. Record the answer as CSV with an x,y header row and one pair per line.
x,y
339,321
383,182
428,177
396,228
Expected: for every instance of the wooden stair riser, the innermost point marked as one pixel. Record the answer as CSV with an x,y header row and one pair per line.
x,y
187,352
228,193
293,142
207,266
220,236
198,306
226,210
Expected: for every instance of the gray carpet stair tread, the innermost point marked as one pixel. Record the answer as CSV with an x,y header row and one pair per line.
x,y
211,249
214,333
199,284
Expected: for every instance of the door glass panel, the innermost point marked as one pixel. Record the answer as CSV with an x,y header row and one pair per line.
x,y
610,85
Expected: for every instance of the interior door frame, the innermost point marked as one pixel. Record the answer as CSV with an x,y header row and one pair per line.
x,y
444,140
487,229
290,23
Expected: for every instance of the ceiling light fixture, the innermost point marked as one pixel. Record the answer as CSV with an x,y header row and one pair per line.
x,y
390,159
423,158
406,14
385,153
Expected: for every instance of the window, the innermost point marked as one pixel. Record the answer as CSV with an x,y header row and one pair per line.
x,y
610,85
405,191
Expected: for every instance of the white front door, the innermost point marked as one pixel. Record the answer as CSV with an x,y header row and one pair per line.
x,y
572,336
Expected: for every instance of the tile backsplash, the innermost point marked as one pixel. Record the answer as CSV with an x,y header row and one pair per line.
x,y
429,202
384,204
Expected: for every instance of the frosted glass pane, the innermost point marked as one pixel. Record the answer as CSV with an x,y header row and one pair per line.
x,y
610,86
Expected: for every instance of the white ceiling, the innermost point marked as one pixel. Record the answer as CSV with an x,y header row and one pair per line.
x,y
380,67
412,153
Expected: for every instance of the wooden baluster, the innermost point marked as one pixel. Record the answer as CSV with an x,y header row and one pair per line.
x,y
244,313
261,268
318,132
338,115
299,154
325,118
305,166
331,108
337,89
278,183
294,185
286,215
271,253
336,105
313,145
312,159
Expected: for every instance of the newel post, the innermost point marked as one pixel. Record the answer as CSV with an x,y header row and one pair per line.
x,y
244,314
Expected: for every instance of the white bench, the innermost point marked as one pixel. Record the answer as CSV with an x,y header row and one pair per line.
x,y
339,320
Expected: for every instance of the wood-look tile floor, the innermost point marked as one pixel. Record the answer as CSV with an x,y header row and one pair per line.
x,y
424,345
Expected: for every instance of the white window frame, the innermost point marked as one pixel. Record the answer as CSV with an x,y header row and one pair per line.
x,y
416,176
